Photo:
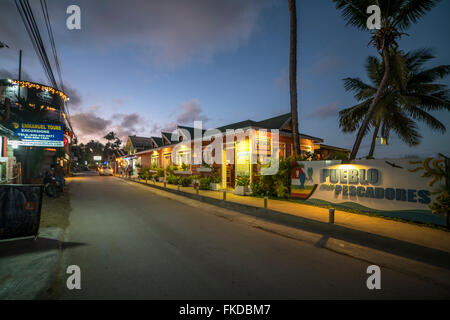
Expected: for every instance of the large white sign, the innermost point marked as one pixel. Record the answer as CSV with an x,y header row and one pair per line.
x,y
401,186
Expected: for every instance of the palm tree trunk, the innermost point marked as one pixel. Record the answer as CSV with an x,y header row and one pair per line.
x,y
376,99
374,140
293,75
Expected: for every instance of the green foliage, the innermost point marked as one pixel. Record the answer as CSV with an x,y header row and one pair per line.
x,y
205,183
185,181
243,180
278,185
411,94
442,204
184,166
144,173
309,156
216,178
172,179
170,169
159,172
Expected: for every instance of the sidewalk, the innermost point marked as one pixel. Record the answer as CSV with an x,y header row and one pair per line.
x,y
419,235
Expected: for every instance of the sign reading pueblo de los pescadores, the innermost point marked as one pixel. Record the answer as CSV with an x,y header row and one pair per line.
x,y
39,134
401,188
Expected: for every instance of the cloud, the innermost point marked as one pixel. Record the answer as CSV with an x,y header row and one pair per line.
x,y
189,112
171,32
75,99
323,112
88,123
130,121
6,74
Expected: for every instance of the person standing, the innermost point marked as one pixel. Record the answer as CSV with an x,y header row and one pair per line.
x,y
59,175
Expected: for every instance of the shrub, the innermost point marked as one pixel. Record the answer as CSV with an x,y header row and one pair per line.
x,y
185,181
243,180
205,183
216,178
170,169
172,179
442,204
184,166
144,173
159,172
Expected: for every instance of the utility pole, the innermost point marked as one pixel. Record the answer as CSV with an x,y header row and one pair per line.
x,y
20,70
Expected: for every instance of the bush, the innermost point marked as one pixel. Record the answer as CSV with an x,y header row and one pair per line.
x,y
243,180
184,166
442,204
205,183
170,169
159,172
172,179
185,181
144,173
279,184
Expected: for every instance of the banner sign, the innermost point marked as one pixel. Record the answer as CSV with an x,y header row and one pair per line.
x,y
399,187
20,210
38,134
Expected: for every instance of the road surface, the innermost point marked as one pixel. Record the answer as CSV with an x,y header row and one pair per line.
x,y
134,244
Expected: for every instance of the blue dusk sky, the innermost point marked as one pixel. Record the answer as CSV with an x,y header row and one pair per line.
x,y
139,67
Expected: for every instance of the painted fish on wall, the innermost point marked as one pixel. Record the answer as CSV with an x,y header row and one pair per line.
x,y
302,186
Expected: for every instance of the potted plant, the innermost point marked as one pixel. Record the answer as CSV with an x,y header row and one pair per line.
x,y
242,185
205,167
160,174
215,181
195,180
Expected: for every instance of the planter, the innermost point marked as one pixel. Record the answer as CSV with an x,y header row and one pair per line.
x,y
242,190
181,172
215,186
204,169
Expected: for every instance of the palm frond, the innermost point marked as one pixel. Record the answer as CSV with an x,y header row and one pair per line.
x,y
411,11
354,12
419,114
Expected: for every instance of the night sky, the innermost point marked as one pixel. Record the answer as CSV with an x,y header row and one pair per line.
x,y
139,67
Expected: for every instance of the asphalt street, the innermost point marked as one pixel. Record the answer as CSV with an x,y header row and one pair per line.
x,y
136,244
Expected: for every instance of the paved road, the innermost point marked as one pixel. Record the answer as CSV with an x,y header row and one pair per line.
x,y
139,245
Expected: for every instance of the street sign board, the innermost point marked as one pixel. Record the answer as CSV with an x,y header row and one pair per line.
x,y
38,134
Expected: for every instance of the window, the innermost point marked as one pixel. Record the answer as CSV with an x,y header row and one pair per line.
x,y
183,157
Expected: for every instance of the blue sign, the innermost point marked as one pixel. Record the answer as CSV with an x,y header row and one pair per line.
x,y
39,134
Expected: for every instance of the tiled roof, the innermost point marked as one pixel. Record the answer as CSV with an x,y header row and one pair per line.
x,y
141,142
158,141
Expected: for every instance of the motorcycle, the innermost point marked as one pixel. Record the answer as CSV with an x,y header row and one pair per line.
x,y
51,186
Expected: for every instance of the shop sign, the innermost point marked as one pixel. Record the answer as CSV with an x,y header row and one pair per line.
x,y
38,134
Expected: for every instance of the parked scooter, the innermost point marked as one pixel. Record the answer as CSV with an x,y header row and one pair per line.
x,y
51,186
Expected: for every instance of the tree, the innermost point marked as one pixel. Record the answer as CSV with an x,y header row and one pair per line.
x,y
293,75
410,94
113,143
396,17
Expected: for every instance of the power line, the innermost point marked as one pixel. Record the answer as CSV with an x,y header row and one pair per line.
x,y
26,13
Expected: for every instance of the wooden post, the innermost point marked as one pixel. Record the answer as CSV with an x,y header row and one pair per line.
x,y
331,215
265,202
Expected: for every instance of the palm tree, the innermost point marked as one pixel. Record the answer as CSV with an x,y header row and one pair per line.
x,y
293,75
396,17
410,93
